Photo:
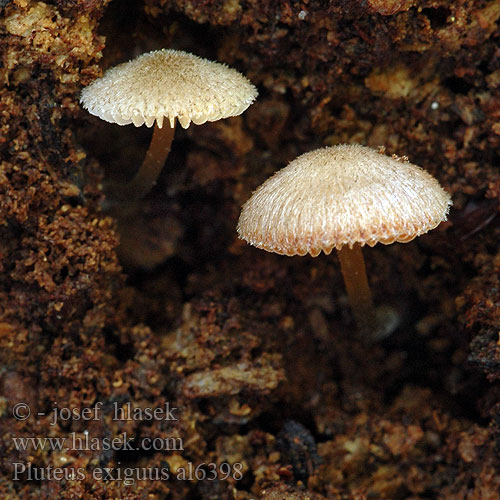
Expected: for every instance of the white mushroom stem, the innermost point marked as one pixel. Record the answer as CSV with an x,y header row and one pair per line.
x,y
146,177
353,269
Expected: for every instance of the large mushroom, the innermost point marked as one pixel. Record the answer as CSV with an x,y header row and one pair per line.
x,y
343,197
166,84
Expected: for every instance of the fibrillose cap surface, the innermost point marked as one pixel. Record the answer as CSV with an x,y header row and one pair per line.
x,y
342,195
168,84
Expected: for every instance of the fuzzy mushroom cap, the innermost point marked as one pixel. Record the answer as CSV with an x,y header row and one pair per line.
x,y
342,195
168,84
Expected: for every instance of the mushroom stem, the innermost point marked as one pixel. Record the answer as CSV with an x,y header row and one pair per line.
x,y
353,269
148,174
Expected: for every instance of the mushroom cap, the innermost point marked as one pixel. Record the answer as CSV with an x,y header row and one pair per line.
x,y
168,83
342,195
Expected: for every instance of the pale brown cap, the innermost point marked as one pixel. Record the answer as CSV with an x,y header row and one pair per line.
x,y
342,195
168,84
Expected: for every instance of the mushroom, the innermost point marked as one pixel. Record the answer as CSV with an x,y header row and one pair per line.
x,y
343,197
166,84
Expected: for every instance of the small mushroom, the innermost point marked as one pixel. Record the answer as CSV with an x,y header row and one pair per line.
x,y
343,197
166,84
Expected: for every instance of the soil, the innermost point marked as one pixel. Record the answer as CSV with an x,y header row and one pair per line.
x,y
223,371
